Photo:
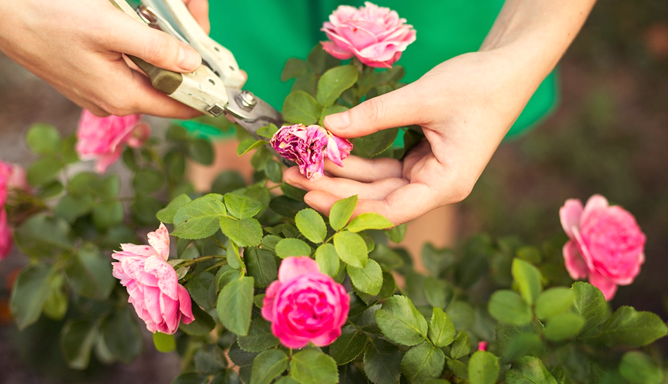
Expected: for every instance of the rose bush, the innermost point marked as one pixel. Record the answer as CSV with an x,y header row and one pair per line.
x,y
255,287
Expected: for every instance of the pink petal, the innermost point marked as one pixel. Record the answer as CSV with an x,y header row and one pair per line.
x,y
570,215
105,161
293,267
269,302
139,250
159,240
595,203
185,305
607,287
584,251
152,303
336,51
327,338
168,281
170,313
574,263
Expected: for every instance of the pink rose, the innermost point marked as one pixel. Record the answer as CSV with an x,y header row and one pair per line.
x,y
605,243
305,305
5,235
12,176
102,138
152,284
308,147
375,35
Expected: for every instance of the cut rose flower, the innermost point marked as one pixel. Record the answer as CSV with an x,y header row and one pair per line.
x,y
152,283
375,35
5,235
305,305
102,138
606,245
308,147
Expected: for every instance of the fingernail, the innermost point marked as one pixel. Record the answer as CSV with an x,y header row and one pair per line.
x,y
338,121
189,59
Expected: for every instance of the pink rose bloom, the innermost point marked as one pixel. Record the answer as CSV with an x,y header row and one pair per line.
x,y
12,176
152,284
102,138
5,235
308,147
606,245
375,35
305,305
482,346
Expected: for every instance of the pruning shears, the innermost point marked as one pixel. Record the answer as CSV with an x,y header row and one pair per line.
x,y
215,87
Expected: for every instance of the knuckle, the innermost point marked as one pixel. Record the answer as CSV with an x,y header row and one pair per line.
x,y
462,192
158,49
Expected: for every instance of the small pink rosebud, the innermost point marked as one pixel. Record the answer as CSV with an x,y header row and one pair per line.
x,y
375,35
606,245
102,138
308,147
152,283
305,305
482,346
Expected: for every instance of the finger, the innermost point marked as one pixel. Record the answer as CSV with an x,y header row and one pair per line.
x,y
200,11
366,170
126,35
344,187
147,100
395,109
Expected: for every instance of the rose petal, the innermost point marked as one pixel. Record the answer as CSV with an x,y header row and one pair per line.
x,y
185,305
595,203
168,281
570,215
575,265
159,240
293,267
607,287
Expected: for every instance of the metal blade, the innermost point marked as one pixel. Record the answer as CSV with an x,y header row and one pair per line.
x,y
251,112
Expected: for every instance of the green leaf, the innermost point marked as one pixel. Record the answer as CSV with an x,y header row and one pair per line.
x,y
561,327
259,337
300,107
210,360
228,181
293,68
145,210
438,292
164,343
245,233
311,366
311,225
522,344
292,247
348,346
269,131
553,302
89,273
368,279
441,329
382,362
375,143
332,109
242,206
191,378
269,242
167,214
262,266
422,363
148,180
274,171
201,151
333,82
43,139
241,357
71,208
483,368
401,322
268,365
461,313
367,221
293,193
30,292
638,368
248,145
77,339
286,206
341,212
461,346
459,369
235,303
50,190
319,60
327,259
628,327
590,304
202,325
386,290
397,233
508,307
351,248
199,289
122,335
175,165
529,370
108,214
528,279
56,304
199,219
43,171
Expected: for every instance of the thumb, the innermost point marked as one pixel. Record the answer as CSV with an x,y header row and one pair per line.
x,y
153,46
394,109
200,11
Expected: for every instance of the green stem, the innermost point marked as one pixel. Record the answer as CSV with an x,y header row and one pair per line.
x,y
200,259
219,243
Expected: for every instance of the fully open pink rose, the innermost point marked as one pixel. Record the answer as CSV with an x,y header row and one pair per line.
x,y
152,284
308,147
606,245
103,138
5,235
375,35
304,305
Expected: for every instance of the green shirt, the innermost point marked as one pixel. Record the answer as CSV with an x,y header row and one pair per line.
x,y
264,34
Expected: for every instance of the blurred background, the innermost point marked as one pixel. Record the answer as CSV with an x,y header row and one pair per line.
x,y
609,136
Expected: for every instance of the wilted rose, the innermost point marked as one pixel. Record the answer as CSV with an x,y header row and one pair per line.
x,y
152,283
308,147
103,138
5,235
305,305
606,245
375,35
12,176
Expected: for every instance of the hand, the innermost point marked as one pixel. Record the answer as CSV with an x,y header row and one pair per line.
x,y
78,46
465,107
